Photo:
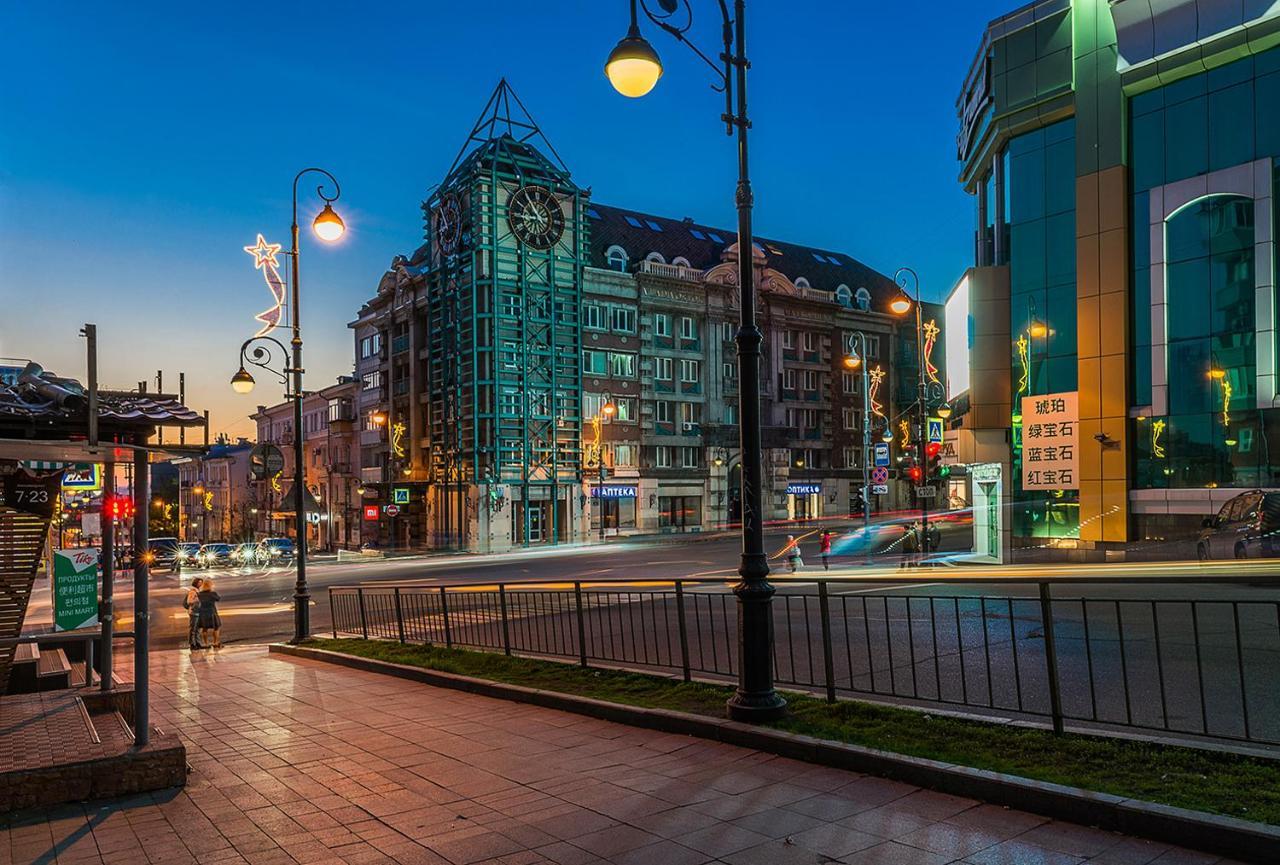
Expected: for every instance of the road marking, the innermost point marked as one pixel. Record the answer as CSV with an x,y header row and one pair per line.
x,y
887,588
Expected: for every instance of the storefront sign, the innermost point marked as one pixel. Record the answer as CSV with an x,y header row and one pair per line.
x,y
75,589
804,489
613,492
1051,441
371,512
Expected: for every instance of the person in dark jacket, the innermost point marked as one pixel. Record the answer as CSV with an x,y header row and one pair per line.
x,y
192,603
910,546
210,621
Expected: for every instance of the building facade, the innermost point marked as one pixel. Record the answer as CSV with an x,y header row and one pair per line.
x,y
1123,161
330,470
546,369
215,501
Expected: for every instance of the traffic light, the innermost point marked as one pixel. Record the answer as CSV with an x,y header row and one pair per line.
x,y
119,507
914,473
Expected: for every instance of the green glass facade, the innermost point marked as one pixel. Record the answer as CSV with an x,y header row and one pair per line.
x,y
1040,201
1214,434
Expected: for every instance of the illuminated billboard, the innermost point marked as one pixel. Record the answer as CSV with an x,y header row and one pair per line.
x,y
957,331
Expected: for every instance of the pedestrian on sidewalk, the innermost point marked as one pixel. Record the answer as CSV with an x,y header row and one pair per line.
x,y
910,543
209,618
192,603
824,547
794,562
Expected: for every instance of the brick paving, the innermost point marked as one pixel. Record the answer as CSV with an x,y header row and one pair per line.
x,y
48,729
301,763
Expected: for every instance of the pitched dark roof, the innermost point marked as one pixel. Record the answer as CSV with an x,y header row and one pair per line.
x,y
41,403
703,247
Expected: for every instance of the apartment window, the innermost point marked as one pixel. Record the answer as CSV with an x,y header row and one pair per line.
x,y
731,413
729,331
810,341
371,380
852,382
624,455
690,413
690,457
624,409
811,419
729,370
662,411
592,403
595,362
622,319
688,328
662,456
509,403
788,339
788,379
622,364
810,379
511,305
850,417
661,324
510,354
593,316
369,346
662,368
850,457
873,347
538,402
792,419
690,370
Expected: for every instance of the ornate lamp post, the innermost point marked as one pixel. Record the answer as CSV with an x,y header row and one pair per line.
x,y
633,68
854,360
257,350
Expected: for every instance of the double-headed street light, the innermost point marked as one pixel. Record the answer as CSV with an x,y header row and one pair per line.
x,y
329,227
633,68
854,360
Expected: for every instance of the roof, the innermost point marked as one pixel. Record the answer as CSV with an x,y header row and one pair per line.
x,y
38,404
703,247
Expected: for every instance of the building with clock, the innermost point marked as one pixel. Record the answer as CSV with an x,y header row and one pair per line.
x,y
561,370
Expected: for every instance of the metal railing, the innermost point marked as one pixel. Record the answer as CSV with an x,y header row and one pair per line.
x,y
1193,667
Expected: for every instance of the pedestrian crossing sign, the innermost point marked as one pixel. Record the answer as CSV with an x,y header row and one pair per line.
x,y
401,496
935,430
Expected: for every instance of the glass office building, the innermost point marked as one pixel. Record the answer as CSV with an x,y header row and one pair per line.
x,y
1124,159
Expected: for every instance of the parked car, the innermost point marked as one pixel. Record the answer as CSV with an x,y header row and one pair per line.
x,y
162,553
1244,528
244,554
273,551
185,557
214,556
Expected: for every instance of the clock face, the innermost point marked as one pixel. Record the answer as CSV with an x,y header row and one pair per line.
x,y
449,223
535,217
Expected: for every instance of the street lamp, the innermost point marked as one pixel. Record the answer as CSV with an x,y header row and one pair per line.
x,y
633,69
607,410
853,361
328,226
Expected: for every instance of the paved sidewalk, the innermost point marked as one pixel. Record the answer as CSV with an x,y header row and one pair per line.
x,y
301,762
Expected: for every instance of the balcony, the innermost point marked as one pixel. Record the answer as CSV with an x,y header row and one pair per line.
x,y
670,271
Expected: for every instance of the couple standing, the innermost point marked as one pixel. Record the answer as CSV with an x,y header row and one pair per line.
x,y
202,613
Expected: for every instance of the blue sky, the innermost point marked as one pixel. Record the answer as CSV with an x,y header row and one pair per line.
x,y
142,145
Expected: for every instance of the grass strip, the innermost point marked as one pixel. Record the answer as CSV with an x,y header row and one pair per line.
x,y
1210,781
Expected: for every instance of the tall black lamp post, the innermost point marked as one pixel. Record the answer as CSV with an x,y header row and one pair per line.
x,y
257,350
633,68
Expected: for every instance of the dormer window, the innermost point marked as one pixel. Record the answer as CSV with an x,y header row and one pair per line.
x,y
801,282
844,296
617,258
863,298
655,257
681,261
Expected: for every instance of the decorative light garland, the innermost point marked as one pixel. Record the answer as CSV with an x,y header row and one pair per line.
x,y
1157,430
1024,356
397,439
931,331
877,376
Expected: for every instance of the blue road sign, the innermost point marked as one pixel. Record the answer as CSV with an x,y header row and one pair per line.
x,y
882,454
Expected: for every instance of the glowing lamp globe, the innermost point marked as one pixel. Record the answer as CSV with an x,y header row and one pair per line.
x,y
944,411
608,409
1217,373
328,226
900,304
887,437
633,67
242,382
852,361
1038,329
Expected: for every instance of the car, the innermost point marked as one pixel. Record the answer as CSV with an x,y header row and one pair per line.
x,y
185,556
1245,527
245,554
162,553
217,555
275,551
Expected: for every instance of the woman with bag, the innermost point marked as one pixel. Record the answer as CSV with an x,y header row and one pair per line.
x,y
209,618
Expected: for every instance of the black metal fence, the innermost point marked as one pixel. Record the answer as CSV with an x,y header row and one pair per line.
x,y
1194,667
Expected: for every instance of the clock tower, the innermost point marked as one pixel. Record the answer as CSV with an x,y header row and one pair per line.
x,y
507,233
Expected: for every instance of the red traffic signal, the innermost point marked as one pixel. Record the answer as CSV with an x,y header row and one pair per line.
x,y
915,474
119,507
932,449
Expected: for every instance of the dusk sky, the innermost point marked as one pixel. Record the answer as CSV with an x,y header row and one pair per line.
x,y
143,145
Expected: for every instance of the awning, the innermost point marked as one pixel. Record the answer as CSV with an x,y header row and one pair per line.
x,y
310,504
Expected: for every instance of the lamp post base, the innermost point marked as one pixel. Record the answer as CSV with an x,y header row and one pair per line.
x,y
755,701
301,617
757,708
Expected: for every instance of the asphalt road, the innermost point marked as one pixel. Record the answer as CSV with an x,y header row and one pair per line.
x,y
1195,656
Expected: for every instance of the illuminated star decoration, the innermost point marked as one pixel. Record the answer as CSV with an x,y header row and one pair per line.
x,y
1024,357
905,428
264,259
208,501
877,376
1226,403
931,332
397,436
1157,430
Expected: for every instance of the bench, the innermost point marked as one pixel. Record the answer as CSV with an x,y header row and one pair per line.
x,y
26,653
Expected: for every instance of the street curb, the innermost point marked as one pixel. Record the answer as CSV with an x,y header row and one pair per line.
x,y
1225,836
